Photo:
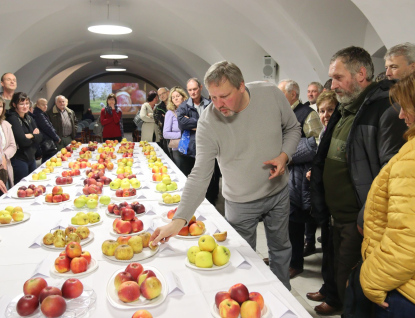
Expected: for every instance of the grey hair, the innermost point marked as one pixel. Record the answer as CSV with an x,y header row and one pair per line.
x,y
318,85
407,50
41,99
163,88
194,79
354,58
291,85
56,98
221,71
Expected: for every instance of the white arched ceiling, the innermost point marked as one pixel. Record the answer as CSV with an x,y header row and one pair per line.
x,y
46,44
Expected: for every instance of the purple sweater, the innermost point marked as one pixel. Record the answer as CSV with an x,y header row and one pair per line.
x,y
171,127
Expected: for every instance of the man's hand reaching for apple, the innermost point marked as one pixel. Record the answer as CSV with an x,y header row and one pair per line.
x,y
164,233
278,165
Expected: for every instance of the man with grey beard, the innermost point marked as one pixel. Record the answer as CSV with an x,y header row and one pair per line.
x,y
363,133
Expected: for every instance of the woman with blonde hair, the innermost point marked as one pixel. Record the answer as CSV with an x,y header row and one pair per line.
x,y
7,150
171,128
387,275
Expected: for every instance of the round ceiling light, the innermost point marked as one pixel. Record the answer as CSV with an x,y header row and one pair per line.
x,y
114,56
110,29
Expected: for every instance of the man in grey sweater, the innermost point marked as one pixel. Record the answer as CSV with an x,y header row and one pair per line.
x,y
252,132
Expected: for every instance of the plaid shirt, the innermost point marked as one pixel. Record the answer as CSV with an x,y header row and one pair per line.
x,y
66,123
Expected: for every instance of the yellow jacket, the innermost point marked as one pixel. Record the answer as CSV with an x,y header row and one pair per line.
x,y
388,247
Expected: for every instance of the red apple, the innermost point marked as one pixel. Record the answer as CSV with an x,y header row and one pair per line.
x,y
79,265
87,256
29,193
142,313
57,190
47,291
57,198
53,306
171,213
254,296
65,196
72,288
122,277
144,275
128,292
122,227
34,286
136,225
116,210
49,198
126,193
127,214
63,264
21,193
38,192
184,231
229,308
110,207
22,188
27,305
150,288
239,293
135,269
221,296
73,249
69,180
60,180
119,193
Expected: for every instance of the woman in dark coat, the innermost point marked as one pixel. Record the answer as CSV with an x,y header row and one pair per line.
x,y
26,134
50,137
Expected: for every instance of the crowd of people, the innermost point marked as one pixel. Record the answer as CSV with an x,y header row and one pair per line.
x,y
342,161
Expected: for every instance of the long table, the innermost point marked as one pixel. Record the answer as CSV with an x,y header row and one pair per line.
x,y
190,292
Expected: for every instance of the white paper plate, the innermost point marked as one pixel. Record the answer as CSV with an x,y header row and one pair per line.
x,y
265,313
83,242
41,180
113,299
146,253
168,204
66,185
213,268
165,218
190,237
89,224
54,203
78,307
14,196
177,190
25,218
92,267
121,199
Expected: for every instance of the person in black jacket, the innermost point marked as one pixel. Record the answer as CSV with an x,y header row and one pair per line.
x,y
50,137
26,134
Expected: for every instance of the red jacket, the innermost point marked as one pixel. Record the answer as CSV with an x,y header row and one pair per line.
x,y
111,127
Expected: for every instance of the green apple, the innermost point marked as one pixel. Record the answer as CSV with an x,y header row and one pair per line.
x,y
166,180
168,199
128,169
118,182
221,255
81,218
120,170
42,176
207,243
165,195
74,220
170,187
92,203
135,183
93,217
105,200
176,198
191,253
151,165
114,185
79,202
174,184
125,184
204,259
161,187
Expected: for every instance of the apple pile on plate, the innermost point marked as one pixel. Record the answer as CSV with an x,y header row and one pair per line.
x,y
11,213
135,281
64,180
57,195
51,299
128,223
125,193
30,191
54,162
194,228
60,238
125,247
98,176
73,259
166,185
239,301
170,199
71,173
116,209
39,176
82,218
125,182
90,201
208,253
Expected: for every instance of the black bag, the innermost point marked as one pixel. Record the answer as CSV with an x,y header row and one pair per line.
x,y
48,146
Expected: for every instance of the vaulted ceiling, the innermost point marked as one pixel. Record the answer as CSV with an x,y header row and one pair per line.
x,y
47,45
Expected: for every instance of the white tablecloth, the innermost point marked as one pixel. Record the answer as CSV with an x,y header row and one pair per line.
x,y
20,256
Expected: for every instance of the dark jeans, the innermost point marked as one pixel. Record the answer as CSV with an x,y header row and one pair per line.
x,y
399,307
296,232
22,168
329,287
347,243
310,231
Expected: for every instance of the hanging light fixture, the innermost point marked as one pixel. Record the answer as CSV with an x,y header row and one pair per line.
x,y
110,28
116,67
113,55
